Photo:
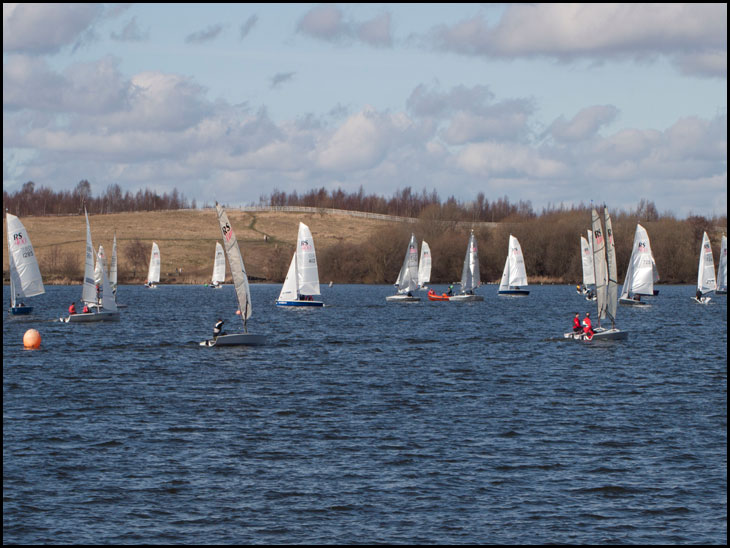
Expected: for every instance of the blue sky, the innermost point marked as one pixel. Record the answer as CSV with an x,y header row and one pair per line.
x,y
550,103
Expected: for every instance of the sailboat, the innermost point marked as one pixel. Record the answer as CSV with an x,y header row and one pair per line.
x,y
219,267
514,276
589,276
153,274
302,280
104,308
424,266
604,264
640,275
706,283
470,278
408,276
240,283
25,276
722,269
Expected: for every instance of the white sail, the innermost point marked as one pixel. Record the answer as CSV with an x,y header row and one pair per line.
x,y
25,276
424,265
307,273
289,289
88,292
219,265
722,267
612,293
641,270
153,274
408,276
514,274
586,252
108,301
599,264
100,266
113,267
235,262
706,270
470,277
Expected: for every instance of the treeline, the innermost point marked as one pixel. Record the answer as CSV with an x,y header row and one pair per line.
x,y
407,203
38,201
550,243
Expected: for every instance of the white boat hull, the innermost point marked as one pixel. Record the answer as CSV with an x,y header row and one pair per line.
x,y
632,302
402,298
91,317
236,339
703,300
465,298
599,335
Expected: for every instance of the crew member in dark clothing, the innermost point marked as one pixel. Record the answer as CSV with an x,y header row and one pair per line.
x,y
218,328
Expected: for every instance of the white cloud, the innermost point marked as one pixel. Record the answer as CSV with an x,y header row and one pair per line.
x,y
45,28
584,125
685,33
328,23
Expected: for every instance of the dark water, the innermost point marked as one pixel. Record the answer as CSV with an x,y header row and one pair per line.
x,y
366,422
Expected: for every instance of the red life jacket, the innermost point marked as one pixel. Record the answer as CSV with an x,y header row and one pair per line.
x,y
72,309
576,324
588,329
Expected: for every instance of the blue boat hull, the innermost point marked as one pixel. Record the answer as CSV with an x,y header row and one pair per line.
x,y
299,303
21,310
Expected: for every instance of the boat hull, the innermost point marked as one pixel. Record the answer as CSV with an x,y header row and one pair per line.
x,y
300,303
721,292
703,300
517,292
402,299
21,310
599,335
632,302
236,339
465,298
88,317
434,297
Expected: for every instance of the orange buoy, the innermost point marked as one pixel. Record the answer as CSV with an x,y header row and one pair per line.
x,y
32,339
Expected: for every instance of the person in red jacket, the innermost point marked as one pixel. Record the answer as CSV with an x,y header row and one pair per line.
x,y
72,309
577,328
587,326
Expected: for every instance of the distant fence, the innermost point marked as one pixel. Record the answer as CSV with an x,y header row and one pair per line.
x,y
362,214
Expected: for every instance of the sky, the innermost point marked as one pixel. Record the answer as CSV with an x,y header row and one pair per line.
x,y
547,103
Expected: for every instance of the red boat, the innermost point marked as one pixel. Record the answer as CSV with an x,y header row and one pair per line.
x,y
432,296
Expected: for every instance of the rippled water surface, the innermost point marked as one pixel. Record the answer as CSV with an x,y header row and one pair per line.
x,y
365,421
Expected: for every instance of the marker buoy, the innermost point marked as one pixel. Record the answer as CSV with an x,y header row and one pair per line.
x,y
32,339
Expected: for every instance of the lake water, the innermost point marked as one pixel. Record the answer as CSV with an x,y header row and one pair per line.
x,y
366,422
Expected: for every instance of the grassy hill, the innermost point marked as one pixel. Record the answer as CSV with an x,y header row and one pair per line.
x,y
187,241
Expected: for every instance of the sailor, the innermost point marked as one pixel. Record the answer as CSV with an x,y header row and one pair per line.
x,y
72,309
698,295
576,324
587,327
217,328
86,310
451,290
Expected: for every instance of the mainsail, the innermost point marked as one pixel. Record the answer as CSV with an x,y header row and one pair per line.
x,y
88,291
235,261
706,269
153,274
514,274
599,264
641,270
25,277
219,265
424,265
470,278
306,263
722,268
612,294
586,251
408,276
